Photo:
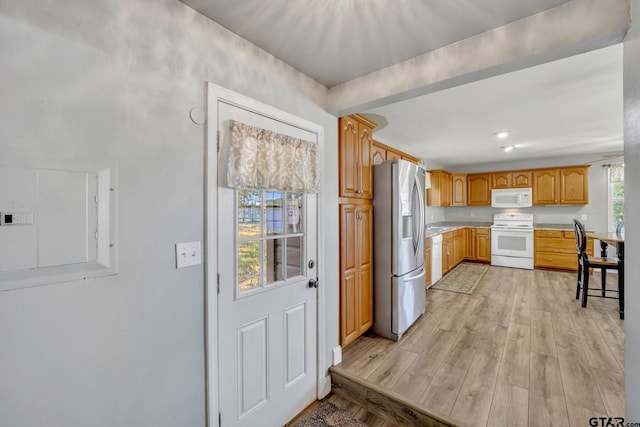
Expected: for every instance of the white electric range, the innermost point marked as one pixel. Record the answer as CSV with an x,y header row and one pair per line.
x,y
512,240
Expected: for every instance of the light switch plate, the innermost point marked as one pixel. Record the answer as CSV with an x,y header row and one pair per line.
x,y
583,217
188,254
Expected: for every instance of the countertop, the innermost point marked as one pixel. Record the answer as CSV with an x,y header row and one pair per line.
x,y
566,227
446,226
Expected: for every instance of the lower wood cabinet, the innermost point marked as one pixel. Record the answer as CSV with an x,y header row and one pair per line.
x,y
557,249
483,245
356,271
478,244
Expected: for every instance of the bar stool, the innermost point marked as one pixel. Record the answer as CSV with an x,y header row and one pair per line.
x,y
585,262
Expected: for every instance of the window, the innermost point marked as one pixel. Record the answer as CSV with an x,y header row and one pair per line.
x,y
616,195
270,238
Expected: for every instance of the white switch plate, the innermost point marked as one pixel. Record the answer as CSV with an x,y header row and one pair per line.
x,y
583,217
188,254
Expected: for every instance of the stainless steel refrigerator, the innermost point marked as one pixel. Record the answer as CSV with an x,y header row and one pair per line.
x,y
399,293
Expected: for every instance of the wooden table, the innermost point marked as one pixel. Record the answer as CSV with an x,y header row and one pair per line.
x,y
617,240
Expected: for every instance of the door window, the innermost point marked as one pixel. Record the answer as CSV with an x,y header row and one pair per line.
x,y
270,239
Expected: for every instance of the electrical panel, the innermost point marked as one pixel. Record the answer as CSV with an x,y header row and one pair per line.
x,y
52,225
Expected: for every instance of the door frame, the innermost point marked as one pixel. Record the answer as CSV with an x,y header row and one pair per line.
x,y
215,93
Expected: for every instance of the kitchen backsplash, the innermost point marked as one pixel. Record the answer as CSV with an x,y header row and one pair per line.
x,y
541,214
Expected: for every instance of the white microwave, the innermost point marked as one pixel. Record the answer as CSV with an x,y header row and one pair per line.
x,y
511,198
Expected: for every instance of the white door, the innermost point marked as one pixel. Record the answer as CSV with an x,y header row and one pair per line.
x,y
267,323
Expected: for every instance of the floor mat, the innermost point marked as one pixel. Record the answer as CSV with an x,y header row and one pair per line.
x,y
326,414
462,279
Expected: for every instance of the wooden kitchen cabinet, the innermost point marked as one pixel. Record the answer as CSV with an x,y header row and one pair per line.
x,y
440,192
381,152
521,179
355,140
459,190
561,186
545,186
478,244
454,247
470,253
557,249
393,155
479,189
427,261
483,245
378,154
356,271
501,179
574,185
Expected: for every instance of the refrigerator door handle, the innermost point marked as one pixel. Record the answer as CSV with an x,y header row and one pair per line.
x,y
420,224
422,208
417,276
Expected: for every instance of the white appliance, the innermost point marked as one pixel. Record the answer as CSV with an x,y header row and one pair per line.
x,y
436,258
399,294
511,198
512,240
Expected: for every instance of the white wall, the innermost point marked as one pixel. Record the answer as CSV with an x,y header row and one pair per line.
x,y
596,210
632,222
115,80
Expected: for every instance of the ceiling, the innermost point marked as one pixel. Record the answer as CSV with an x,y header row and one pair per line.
x,y
561,108
565,107
335,41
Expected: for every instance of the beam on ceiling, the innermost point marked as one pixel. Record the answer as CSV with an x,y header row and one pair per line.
x,y
570,29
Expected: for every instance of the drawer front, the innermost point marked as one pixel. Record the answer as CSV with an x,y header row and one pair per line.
x,y
556,260
549,233
548,244
483,231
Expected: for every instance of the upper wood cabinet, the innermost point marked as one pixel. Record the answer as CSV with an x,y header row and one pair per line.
x,y
545,187
459,190
440,192
393,155
521,179
574,185
378,154
501,179
479,189
356,136
381,152
561,186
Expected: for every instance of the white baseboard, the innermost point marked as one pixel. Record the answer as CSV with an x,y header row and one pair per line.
x,y
325,387
337,355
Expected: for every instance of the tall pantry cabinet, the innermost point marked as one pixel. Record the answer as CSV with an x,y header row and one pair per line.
x,y
356,227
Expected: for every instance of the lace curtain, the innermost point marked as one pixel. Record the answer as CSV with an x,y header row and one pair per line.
x,y
616,173
267,160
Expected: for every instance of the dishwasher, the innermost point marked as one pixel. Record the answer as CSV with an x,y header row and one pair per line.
x,y
436,258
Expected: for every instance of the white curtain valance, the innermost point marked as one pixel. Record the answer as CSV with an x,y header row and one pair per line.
x,y
267,160
616,173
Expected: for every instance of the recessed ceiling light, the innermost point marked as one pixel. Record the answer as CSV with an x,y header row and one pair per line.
x,y
502,134
507,148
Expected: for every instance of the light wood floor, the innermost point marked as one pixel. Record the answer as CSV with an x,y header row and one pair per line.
x,y
520,351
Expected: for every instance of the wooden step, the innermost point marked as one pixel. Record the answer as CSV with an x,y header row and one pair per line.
x,y
383,403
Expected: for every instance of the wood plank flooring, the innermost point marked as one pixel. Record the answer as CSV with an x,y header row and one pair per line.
x,y
520,351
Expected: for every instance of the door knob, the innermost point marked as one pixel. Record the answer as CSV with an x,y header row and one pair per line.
x,y
313,283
